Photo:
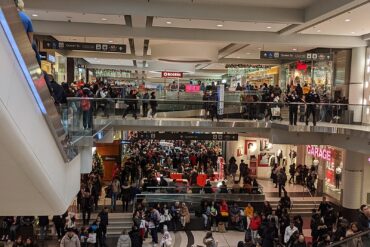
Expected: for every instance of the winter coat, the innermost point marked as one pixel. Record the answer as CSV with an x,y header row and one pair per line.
x,y
70,242
255,223
124,241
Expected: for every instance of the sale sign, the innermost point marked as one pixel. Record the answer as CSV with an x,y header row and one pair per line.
x,y
166,74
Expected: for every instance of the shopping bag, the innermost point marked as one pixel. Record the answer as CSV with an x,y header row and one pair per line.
x,y
275,111
92,238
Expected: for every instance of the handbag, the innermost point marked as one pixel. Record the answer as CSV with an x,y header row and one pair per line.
x,y
92,238
224,214
221,227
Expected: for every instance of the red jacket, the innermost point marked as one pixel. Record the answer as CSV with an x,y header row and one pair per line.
x,y
255,223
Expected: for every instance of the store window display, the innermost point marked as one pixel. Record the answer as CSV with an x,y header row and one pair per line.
x,y
328,163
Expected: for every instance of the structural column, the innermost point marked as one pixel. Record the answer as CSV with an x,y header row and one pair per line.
x,y
352,183
356,84
70,69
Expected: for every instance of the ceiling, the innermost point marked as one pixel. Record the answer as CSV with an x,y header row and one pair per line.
x,y
76,17
238,29
355,22
113,62
218,25
294,4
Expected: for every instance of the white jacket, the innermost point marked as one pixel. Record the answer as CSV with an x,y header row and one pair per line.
x,y
289,232
124,241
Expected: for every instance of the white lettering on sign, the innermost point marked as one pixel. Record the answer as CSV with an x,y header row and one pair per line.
x,y
317,152
166,74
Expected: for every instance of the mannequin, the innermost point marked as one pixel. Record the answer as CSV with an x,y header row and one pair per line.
x,y
338,176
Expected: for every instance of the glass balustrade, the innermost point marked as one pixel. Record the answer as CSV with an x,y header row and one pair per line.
x,y
80,114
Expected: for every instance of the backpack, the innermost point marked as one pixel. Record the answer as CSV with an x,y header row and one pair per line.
x,y
85,104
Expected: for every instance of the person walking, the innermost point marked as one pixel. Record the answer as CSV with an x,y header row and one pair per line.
x,y
145,103
281,180
70,239
43,224
312,99
116,191
292,171
104,221
132,104
153,104
293,100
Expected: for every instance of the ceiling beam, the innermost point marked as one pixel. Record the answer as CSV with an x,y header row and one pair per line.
x,y
230,49
173,9
190,34
366,37
320,12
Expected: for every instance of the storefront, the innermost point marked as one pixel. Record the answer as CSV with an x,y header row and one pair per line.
x,y
316,74
261,155
256,75
328,162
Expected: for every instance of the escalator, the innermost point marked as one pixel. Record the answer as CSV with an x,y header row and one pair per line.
x,y
40,170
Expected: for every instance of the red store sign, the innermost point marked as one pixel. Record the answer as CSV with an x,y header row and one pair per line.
x,y
317,152
166,74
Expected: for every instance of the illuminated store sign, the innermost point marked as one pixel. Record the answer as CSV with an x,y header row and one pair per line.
x,y
166,74
318,152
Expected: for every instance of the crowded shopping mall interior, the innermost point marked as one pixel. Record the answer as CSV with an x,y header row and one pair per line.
x,y
185,123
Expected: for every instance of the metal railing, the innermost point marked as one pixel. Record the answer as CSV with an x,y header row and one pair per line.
x,y
357,240
80,114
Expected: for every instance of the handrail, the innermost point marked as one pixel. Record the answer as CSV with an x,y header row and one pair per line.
x,y
361,234
210,101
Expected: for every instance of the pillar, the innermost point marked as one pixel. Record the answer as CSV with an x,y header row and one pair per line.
x,y
356,84
86,159
352,179
70,69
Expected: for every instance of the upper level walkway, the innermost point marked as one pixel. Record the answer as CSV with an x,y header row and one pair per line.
x,y
268,120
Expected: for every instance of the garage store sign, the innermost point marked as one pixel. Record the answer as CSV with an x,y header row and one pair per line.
x,y
318,152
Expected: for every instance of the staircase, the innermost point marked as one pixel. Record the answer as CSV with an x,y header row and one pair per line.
x,y
117,222
301,206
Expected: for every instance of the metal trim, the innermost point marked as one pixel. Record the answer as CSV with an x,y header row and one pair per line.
x,y
25,55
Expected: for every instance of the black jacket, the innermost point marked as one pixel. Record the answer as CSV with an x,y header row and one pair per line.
x,y
136,240
43,220
363,221
103,218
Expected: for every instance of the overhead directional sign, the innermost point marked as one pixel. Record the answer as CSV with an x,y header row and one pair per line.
x,y
58,45
188,136
296,55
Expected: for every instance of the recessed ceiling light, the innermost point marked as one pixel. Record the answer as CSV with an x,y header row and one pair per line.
x,y
268,27
318,31
259,48
248,53
168,22
347,20
237,57
353,32
110,41
104,19
220,25
35,15
294,49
